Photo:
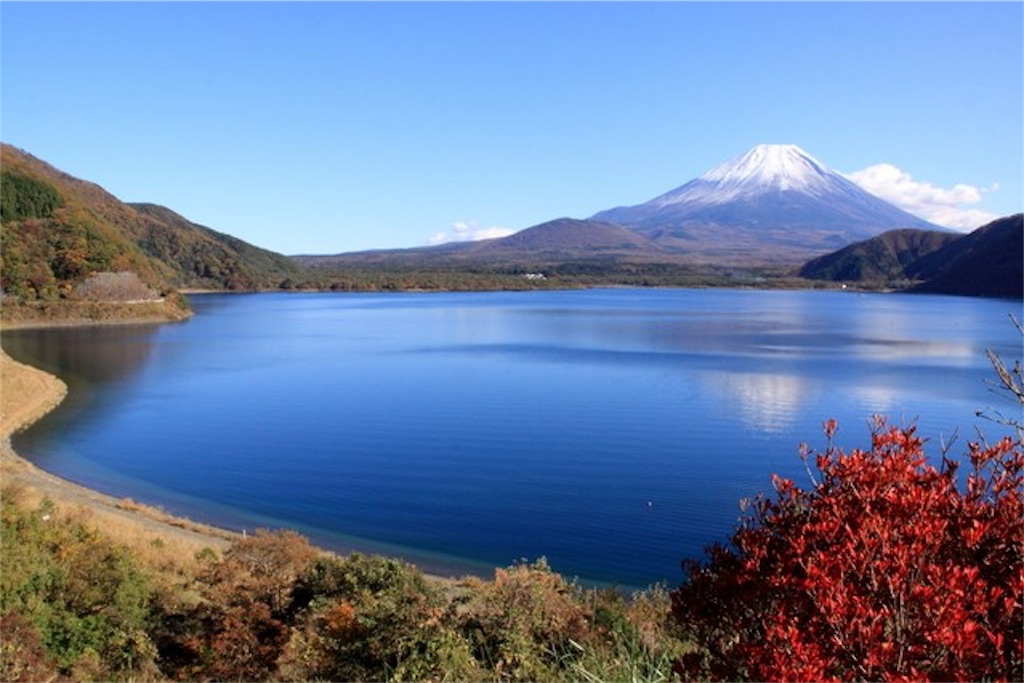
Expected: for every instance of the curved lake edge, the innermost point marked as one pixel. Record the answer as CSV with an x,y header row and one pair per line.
x,y
152,519
46,393
348,548
48,315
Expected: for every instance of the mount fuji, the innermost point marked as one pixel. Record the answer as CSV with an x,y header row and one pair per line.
x,y
775,206
775,202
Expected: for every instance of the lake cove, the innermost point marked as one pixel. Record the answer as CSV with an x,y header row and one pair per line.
x,y
612,431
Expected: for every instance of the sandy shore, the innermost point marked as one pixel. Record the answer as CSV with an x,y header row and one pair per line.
x,y
27,394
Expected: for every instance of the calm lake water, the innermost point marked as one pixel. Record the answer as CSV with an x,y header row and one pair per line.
x,y
612,431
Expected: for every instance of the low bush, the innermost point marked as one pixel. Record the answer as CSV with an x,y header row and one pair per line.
x,y
373,618
527,623
70,599
885,568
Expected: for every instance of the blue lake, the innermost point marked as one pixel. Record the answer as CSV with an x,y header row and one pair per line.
x,y
612,431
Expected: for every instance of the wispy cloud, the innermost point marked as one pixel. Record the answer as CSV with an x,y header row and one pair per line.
x,y
469,231
949,207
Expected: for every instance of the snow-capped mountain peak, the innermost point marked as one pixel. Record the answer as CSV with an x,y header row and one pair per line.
x,y
771,195
764,168
770,164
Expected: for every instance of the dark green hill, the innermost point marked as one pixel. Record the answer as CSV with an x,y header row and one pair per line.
x,y
206,258
881,259
986,262
57,230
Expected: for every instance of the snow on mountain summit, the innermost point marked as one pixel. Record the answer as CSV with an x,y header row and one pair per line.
x,y
764,168
770,164
772,195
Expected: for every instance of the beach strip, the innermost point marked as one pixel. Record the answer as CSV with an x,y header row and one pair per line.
x,y
26,395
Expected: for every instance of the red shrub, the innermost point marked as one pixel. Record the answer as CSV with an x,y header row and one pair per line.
x,y
883,569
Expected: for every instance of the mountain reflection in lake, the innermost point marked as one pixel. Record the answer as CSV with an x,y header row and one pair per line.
x,y
612,431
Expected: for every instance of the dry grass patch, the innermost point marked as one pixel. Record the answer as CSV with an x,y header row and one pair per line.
x,y
26,394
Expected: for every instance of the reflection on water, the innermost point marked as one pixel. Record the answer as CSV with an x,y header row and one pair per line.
x,y
91,360
879,398
87,354
469,430
763,402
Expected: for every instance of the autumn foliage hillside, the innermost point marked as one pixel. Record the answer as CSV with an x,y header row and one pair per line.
x,y
58,230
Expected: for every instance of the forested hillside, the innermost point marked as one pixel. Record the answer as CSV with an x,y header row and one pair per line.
x,y
986,262
880,259
58,230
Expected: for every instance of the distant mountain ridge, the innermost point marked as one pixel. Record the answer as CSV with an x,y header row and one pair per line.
x,y
552,242
986,262
772,198
57,230
567,235
773,206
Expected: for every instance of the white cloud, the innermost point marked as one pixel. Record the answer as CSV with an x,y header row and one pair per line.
x,y
942,206
469,231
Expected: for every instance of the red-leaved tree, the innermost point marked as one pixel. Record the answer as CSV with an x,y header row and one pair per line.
x,y
886,568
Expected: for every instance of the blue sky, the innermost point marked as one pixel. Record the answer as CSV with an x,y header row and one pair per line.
x,y
334,126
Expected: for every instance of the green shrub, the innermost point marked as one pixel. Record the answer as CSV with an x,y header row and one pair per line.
x,y
84,597
527,624
374,618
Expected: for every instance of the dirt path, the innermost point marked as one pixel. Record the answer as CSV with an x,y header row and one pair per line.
x,y
27,394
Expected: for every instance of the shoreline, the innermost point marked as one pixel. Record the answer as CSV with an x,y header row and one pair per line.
x,y
26,395
34,315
